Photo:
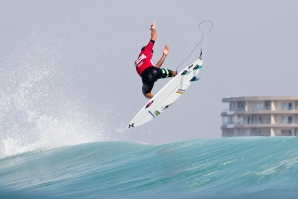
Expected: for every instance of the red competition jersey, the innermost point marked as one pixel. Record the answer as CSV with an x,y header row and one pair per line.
x,y
145,58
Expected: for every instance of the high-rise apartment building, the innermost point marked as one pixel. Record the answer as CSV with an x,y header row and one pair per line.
x,y
260,116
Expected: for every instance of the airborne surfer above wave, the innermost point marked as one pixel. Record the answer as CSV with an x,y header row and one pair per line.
x,y
149,71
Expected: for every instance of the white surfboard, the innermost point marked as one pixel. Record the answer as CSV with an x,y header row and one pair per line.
x,y
168,94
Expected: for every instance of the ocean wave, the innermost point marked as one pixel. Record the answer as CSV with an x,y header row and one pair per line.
x,y
198,168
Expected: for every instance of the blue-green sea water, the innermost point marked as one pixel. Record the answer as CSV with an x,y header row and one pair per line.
x,y
255,167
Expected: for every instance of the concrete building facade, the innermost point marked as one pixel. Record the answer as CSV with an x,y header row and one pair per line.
x,y
260,116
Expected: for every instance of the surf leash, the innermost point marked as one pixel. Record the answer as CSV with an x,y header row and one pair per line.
x,y
200,42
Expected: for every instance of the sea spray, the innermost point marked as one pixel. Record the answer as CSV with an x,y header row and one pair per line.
x,y
38,110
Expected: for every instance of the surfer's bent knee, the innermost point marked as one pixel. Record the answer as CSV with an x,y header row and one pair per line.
x,y
165,73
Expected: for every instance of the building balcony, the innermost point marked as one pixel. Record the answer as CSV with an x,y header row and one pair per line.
x,y
263,124
249,111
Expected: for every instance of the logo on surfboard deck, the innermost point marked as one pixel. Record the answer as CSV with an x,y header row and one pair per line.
x,y
165,107
156,112
149,104
180,91
151,114
190,66
131,125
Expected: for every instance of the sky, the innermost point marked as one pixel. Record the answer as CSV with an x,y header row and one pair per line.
x,y
89,49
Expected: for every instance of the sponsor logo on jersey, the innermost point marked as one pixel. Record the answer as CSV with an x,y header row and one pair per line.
x,y
140,59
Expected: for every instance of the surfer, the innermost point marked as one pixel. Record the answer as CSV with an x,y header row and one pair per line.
x,y
149,71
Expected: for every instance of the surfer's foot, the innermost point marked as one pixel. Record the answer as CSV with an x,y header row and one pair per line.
x,y
148,95
174,73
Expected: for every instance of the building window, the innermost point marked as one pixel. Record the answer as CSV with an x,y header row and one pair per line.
x,y
286,132
284,120
287,106
290,120
284,106
259,106
267,105
232,106
260,120
230,120
246,120
241,106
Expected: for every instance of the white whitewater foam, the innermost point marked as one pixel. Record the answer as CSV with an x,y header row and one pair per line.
x,y
35,113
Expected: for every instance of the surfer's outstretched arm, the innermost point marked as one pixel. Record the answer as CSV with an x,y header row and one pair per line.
x,y
163,57
153,31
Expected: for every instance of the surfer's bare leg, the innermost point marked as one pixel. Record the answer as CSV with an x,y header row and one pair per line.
x,y
148,95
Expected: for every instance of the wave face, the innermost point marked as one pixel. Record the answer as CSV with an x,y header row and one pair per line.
x,y
207,168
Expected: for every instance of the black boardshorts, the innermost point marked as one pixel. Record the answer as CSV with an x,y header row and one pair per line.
x,y
150,75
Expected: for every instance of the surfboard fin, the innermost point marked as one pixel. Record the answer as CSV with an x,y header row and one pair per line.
x,y
197,67
185,72
194,79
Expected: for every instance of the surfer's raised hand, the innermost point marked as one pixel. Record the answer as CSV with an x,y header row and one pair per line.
x,y
166,50
153,24
163,57
153,31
